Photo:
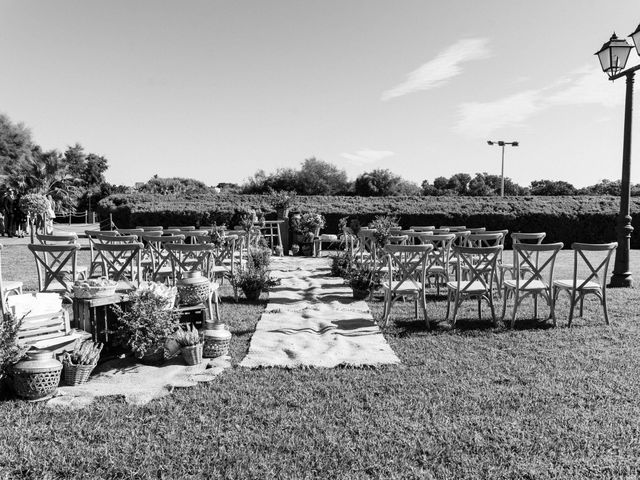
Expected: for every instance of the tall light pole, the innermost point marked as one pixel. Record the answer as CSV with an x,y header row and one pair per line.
x,y
500,143
613,57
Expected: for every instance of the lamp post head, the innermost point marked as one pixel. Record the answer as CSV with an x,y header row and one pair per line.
x,y
490,142
501,143
515,144
635,36
614,54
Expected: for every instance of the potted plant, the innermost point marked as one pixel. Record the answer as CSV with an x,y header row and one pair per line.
x,y
383,224
252,282
10,351
78,365
282,201
146,325
190,343
363,280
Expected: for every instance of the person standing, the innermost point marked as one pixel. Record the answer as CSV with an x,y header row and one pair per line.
x,y
9,205
51,214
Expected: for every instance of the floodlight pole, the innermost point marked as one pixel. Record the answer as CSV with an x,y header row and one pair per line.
x,y
502,144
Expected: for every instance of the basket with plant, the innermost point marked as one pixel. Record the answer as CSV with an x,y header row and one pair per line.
x,y
78,365
190,343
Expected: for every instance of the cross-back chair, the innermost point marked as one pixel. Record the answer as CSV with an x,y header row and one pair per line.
x,y
534,277
157,258
196,257
417,238
121,263
151,228
130,231
590,266
533,238
439,258
56,266
422,228
479,265
454,228
405,276
69,238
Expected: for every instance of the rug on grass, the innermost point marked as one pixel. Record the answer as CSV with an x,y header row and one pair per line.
x,y
137,383
311,320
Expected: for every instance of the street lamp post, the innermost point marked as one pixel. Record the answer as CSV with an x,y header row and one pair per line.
x,y
613,57
500,143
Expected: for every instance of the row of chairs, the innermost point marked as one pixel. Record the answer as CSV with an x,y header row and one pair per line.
x,y
479,272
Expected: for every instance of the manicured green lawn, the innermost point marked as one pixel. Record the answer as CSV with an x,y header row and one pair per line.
x,y
475,402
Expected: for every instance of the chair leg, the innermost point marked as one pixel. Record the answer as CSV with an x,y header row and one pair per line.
x,y
415,307
424,308
515,309
448,303
604,306
581,304
505,294
457,302
535,306
480,308
493,311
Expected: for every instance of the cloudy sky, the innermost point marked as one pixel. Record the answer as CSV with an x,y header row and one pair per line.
x,y
217,89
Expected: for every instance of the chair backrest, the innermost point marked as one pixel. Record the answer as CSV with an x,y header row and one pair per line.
x,y
155,250
454,228
477,229
191,257
366,244
591,262
195,236
479,265
461,237
417,238
121,262
440,231
56,266
397,239
406,263
422,228
60,238
130,231
99,238
153,228
184,228
441,254
534,238
536,261
485,239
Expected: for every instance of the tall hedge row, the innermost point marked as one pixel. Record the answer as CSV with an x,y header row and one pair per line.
x,y
566,219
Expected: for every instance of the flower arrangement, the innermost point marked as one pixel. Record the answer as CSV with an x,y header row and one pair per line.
x,y
147,324
282,201
382,225
308,224
34,204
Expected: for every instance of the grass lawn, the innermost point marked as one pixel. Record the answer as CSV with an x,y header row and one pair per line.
x,y
475,402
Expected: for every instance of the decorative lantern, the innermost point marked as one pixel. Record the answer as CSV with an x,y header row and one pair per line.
x,y
614,54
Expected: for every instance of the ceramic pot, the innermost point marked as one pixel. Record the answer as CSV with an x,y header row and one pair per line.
x,y
36,376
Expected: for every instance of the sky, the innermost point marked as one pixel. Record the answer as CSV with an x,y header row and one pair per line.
x,y
216,90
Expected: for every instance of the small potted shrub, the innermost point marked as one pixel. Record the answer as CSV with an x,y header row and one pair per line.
x,y
10,351
78,365
252,282
146,325
307,227
190,343
363,280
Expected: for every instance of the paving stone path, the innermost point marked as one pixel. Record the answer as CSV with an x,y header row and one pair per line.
x,y
311,320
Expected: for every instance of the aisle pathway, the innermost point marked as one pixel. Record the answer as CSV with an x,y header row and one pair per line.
x,y
312,321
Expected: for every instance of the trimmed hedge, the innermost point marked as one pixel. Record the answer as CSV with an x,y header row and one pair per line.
x,y
567,219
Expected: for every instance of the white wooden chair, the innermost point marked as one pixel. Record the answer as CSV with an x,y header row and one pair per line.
x,y
56,266
438,262
591,260
479,265
121,263
535,281
405,276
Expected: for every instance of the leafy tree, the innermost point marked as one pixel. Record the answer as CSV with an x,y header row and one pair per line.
x,y
317,177
172,185
459,183
15,142
89,169
552,187
46,173
377,183
478,187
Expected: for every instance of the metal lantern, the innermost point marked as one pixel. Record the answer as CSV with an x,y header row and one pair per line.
x,y
614,54
635,36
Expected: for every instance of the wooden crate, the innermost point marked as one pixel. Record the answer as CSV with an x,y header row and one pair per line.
x,y
94,315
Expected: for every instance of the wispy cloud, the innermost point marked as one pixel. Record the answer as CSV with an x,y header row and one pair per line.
x,y
446,65
580,87
366,156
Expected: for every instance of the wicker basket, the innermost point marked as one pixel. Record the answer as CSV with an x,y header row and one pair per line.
x,y
77,374
94,292
192,354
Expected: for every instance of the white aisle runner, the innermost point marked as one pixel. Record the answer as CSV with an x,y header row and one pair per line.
x,y
311,320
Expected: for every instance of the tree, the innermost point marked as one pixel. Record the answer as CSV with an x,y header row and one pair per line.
x,y
478,187
46,173
317,177
15,142
172,185
89,169
383,182
552,187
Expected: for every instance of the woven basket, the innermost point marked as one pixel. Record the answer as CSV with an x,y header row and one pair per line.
x,y
192,354
77,374
36,386
215,348
193,294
